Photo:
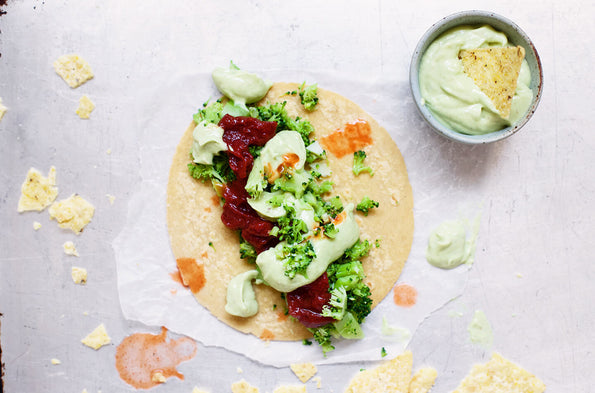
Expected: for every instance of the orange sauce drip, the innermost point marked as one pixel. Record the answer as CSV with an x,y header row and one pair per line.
x,y
340,218
141,355
267,335
289,161
353,137
404,295
192,274
216,201
177,277
281,316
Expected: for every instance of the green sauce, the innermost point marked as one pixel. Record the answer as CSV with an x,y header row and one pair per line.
x,y
452,96
240,86
241,299
449,246
327,251
207,142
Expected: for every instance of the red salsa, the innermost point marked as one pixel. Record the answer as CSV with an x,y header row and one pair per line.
x,y
306,303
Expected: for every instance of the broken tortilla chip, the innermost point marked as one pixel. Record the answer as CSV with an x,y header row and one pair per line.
x,y
495,71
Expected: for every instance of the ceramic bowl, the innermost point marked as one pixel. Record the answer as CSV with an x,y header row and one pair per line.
x,y
515,35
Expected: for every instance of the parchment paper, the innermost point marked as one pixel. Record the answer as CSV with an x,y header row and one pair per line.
x,y
444,187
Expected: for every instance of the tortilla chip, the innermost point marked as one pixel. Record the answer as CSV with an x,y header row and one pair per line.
x,y
423,380
194,216
500,376
391,376
495,71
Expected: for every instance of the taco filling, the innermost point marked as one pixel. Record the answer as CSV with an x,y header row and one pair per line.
x,y
297,236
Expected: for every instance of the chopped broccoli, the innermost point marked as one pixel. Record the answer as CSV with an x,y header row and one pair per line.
x,y
276,112
358,163
337,306
349,327
323,336
309,96
366,204
220,170
359,302
383,352
296,183
210,112
330,230
291,228
356,252
247,251
297,258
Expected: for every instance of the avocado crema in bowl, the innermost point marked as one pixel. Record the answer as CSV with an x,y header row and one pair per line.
x,y
455,71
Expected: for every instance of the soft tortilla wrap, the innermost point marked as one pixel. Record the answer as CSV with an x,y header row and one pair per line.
x,y
196,230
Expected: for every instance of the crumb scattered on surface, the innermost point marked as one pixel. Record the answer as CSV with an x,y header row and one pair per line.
x,y
86,106
158,377
79,275
36,225
304,371
318,381
37,191
55,361
73,69
3,109
197,390
110,198
243,387
73,213
70,249
97,338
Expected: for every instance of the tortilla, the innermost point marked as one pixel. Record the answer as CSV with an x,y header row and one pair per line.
x,y
196,230
496,72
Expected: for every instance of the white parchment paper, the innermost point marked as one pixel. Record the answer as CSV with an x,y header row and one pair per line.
x,y
149,295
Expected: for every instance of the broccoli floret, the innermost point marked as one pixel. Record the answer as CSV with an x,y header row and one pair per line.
x,y
276,112
220,170
337,306
296,183
359,302
309,96
297,258
365,205
330,230
247,251
210,112
291,228
358,163
323,336
356,252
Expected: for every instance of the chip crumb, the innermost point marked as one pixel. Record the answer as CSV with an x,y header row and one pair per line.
x,y
290,389
86,106
73,213
519,275
243,387
97,338
55,361
79,275
108,151
495,71
500,375
3,109
84,391
304,371
318,381
390,376
197,390
73,69
110,198
70,249
36,225
37,191
158,377
423,380
239,370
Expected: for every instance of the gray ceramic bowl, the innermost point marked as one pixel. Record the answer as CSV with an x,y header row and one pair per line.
x,y
515,36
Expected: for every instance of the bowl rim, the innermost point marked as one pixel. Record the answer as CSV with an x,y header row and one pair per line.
x,y
441,26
